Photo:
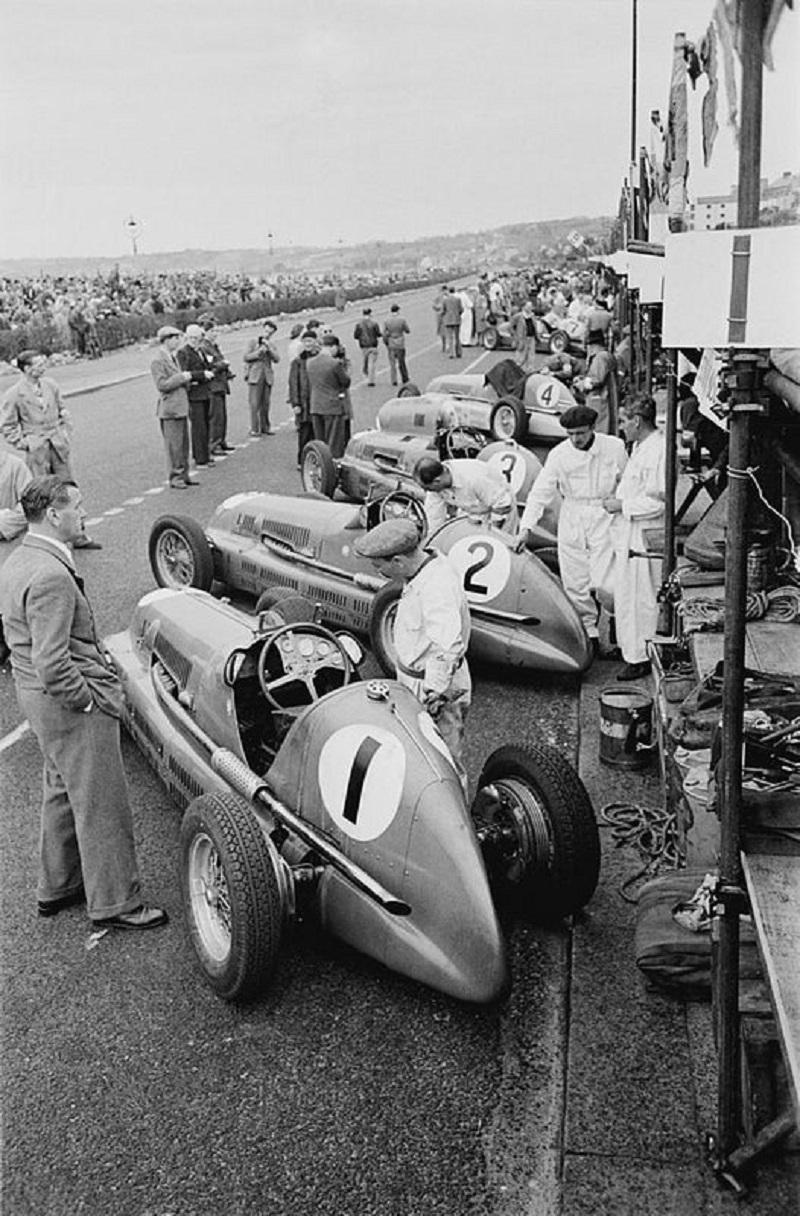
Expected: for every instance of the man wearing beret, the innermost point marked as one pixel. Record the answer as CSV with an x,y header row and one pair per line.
x,y
173,407
580,472
431,628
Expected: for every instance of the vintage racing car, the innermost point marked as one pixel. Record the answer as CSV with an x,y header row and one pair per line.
x,y
312,794
550,338
525,406
521,616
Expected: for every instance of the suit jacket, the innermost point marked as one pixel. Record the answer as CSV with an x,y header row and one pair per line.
x,y
258,360
219,366
173,400
198,362
328,381
394,331
27,422
50,629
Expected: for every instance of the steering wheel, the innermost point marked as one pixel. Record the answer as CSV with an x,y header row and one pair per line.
x,y
460,442
301,660
399,504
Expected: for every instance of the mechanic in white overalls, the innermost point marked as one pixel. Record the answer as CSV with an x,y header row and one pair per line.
x,y
465,487
636,505
431,628
583,470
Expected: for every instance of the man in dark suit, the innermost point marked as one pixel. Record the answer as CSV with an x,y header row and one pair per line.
x,y
194,359
329,380
72,699
219,389
173,407
394,337
259,357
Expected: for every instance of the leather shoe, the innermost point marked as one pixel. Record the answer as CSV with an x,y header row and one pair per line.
x,y
85,542
634,671
140,918
227,447
51,907
178,485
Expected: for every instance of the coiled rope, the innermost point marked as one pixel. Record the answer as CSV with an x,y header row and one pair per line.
x,y
652,831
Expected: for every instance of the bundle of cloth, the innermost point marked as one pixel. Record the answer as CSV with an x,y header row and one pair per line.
x,y
783,377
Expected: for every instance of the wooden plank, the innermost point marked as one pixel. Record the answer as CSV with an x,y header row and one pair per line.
x,y
773,884
772,647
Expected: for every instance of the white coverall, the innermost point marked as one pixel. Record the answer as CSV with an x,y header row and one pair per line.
x,y
477,491
431,634
637,579
582,479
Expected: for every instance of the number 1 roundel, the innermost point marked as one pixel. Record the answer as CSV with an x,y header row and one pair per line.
x,y
361,775
484,563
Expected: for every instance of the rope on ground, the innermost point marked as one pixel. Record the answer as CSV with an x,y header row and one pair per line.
x,y
652,831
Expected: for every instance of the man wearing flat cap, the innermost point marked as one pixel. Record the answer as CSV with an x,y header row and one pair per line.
x,y
173,407
580,472
431,628
259,359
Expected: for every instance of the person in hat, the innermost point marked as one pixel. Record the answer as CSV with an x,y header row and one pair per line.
x,y
598,384
194,359
367,334
465,487
260,358
637,504
580,472
219,388
300,390
431,628
35,424
172,409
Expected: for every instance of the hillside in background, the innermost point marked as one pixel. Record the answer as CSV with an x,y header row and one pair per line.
x,y
491,248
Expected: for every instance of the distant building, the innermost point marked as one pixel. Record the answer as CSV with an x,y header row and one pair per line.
x,y
720,210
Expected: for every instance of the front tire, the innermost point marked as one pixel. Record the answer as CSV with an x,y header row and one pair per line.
x,y
538,830
509,420
381,627
318,468
559,342
180,555
490,339
233,895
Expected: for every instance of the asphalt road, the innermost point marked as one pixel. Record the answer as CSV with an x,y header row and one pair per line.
x,y
128,1087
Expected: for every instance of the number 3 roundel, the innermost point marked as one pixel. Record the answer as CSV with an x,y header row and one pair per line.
x,y
484,564
361,774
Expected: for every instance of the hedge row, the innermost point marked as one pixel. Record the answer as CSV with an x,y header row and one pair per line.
x,y
114,332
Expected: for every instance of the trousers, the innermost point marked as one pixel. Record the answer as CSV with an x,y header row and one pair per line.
x,y
258,396
198,419
585,556
397,363
333,429
175,432
369,357
217,422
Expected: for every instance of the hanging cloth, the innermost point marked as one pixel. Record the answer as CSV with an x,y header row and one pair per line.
x,y
708,59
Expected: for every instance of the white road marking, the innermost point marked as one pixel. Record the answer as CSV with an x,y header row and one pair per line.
x,y
92,523
132,502
14,736
156,490
115,511
475,362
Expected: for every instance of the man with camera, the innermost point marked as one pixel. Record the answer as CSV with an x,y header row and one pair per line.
x,y
259,359
329,381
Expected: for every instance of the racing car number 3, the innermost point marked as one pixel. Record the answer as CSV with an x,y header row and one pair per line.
x,y
361,774
484,564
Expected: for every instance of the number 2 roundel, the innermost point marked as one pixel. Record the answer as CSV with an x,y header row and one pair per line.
x,y
361,774
484,563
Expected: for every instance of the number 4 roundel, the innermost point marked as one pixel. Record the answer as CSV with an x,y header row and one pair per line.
x,y
484,564
361,775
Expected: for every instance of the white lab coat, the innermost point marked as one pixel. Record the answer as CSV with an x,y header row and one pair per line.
x,y
585,551
637,579
478,491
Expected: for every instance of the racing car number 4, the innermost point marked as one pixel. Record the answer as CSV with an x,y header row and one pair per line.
x,y
361,774
484,564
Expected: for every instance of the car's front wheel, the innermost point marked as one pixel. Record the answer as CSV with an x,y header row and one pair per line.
x,y
381,626
180,555
234,895
490,338
559,341
318,469
537,830
508,419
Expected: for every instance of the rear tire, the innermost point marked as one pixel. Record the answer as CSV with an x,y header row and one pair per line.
x,y
234,895
538,830
381,627
180,555
490,339
318,468
509,420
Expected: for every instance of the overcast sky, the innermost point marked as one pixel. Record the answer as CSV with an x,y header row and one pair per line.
x,y
215,123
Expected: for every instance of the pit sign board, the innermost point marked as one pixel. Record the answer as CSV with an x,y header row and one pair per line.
x,y
733,288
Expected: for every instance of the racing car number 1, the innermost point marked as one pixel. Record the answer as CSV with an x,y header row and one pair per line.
x,y
361,774
484,564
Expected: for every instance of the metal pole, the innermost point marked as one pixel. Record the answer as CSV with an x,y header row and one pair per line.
x,y
634,56
671,482
728,1121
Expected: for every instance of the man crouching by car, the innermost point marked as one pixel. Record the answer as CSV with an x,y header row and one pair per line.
x,y
431,628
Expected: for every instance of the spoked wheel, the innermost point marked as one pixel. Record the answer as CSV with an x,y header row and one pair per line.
x,y
381,626
559,341
509,419
537,830
235,895
180,555
490,339
318,468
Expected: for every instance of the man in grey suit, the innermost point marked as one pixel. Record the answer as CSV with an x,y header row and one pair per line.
x,y
173,407
330,407
259,357
72,700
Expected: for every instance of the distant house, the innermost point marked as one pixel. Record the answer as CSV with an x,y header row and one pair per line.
x,y
781,196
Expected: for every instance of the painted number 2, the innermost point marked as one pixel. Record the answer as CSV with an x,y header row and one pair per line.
x,y
484,564
486,552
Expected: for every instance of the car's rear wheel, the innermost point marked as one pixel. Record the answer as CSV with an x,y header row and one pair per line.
x,y
381,626
318,468
559,341
490,338
180,555
508,419
408,390
234,895
537,830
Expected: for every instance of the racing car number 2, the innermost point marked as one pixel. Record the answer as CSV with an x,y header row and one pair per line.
x,y
361,775
484,563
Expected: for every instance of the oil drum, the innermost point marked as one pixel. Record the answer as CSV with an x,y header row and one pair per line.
x,y
626,727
